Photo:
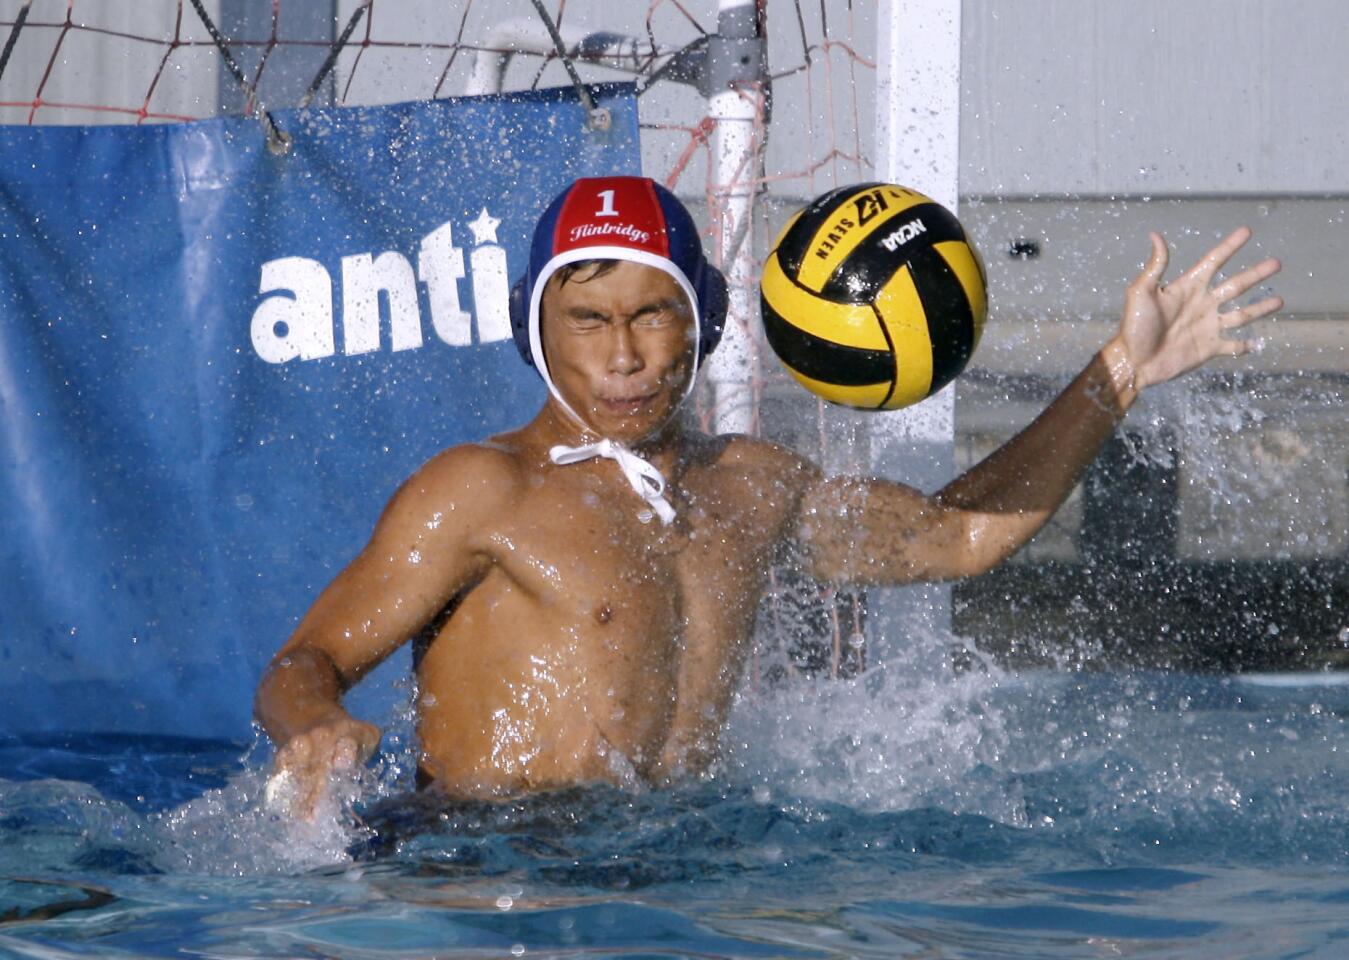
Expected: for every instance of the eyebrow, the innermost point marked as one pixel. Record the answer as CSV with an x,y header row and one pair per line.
x,y
669,303
655,306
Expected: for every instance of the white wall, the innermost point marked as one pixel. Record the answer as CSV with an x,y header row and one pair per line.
x,y
105,69
1155,97
1146,97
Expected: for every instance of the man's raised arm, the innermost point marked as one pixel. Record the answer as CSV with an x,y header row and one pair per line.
x,y
422,553
875,531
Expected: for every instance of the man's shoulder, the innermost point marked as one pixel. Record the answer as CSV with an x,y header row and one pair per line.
x,y
467,479
497,463
757,474
740,452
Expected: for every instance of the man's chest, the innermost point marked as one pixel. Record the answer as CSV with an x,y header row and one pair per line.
x,y
593,555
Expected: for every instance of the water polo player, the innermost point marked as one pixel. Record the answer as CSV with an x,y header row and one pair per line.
x,y
582,589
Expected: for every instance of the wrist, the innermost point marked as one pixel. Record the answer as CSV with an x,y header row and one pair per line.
x,y
322,715
1121,374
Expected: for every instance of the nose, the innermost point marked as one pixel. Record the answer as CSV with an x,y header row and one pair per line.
x,y
624,357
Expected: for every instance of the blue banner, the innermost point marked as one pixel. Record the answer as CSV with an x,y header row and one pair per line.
x,y
217,364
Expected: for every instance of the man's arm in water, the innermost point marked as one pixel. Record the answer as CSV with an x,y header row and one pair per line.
x,y
875,531
422,553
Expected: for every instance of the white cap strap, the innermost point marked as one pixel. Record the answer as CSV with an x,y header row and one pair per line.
x,y
640,474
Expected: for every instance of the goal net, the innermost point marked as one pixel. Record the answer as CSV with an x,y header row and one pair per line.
x,y
744,131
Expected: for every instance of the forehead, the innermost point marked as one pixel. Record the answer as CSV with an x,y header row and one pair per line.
x,y
620,283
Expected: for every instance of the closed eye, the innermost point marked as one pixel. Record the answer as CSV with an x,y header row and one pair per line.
x,y
653,318
658,314
586,319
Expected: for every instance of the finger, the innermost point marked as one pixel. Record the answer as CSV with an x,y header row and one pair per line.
x,y
1213,261
344,754
1237,348
1155,268
312,786
307,804
297,753
1254,311
1235,286
369,741
296,792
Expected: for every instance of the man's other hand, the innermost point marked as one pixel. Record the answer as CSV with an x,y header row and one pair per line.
x,y
305,764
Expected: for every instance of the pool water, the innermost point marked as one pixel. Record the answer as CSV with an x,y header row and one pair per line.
x,y
987,815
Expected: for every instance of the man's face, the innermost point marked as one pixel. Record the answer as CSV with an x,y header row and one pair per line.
x,y
618,339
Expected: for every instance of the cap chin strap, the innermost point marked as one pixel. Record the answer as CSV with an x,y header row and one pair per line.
x,y
640,474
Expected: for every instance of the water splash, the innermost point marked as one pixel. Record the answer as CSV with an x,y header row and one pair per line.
x,y
236,831
895,738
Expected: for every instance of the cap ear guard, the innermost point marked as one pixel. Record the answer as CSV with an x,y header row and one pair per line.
x,y
519,311
713,301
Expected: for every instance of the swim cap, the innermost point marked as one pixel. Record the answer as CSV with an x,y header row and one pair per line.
x,y
618,218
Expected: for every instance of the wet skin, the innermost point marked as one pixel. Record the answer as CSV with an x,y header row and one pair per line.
x,y
568,641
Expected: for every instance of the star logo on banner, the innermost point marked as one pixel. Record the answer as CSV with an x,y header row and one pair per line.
x,y
484,228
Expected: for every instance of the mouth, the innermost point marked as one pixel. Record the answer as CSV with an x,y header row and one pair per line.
x,y
626,406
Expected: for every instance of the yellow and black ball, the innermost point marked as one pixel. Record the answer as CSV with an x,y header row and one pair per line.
x,y
873,297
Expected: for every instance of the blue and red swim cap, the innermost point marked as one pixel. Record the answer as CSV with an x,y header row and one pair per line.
x,y
618,218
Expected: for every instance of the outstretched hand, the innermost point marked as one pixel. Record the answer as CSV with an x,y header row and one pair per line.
x,y
1169,329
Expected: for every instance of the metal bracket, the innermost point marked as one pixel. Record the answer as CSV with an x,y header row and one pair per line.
x,y
597,117
715,63
732,61
600,119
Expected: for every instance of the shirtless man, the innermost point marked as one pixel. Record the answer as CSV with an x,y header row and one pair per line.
x,y
583,588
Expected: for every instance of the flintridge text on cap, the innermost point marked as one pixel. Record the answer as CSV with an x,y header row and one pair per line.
x,y
625,230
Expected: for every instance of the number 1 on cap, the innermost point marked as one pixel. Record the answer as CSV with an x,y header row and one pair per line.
x,y
608,209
